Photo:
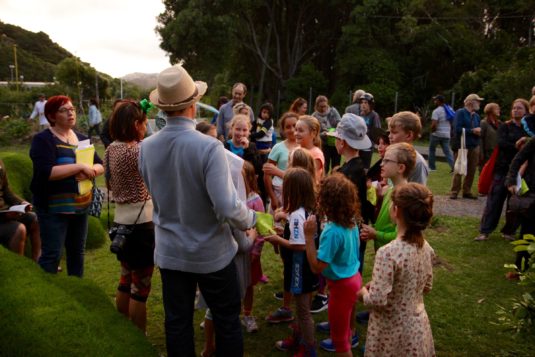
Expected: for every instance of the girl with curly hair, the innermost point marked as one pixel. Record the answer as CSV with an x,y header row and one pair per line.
x,y
337,257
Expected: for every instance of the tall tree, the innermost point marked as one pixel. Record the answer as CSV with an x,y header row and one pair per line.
x,y
271,39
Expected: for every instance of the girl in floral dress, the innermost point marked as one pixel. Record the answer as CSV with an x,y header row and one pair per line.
x,y
402,274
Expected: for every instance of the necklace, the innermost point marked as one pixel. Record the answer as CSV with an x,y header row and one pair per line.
x,y
62,137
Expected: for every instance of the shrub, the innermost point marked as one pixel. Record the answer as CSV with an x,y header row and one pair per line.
x,y
13,129
520,317
57,315
19,173
96,234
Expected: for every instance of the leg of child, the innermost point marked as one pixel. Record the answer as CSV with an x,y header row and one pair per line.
x,y
209,335
287,300
304,318
248,301
341,312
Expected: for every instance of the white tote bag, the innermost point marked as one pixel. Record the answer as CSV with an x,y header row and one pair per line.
x,y
461,164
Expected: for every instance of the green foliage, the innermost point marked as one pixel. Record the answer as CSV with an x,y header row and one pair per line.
x,y
308,77
19,173
79,77
96,234
56,315
12,129
520,316
37,55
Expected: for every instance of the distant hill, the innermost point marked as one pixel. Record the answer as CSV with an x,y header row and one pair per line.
x,y
144,81
37,54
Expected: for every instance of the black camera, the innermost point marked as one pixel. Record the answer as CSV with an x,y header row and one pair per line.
x,y
118,235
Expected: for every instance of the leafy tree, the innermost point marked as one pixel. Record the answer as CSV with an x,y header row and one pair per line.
x,y
80,79
268,40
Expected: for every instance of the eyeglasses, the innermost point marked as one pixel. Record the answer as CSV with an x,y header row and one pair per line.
x,y
65,110
386,161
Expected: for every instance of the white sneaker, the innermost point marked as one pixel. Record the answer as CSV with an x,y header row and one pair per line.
x,y
250,324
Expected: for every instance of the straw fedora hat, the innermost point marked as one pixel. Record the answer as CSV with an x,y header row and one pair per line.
x,y
176,90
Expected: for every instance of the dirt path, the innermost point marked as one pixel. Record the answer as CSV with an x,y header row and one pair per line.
x,y
460,207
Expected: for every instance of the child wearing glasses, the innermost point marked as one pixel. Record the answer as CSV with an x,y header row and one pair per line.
x,y
397,164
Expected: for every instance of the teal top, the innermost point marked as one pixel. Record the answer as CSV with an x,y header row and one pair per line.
x,y
339,247
385,228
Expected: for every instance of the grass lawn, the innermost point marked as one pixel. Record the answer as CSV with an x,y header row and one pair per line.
x,y
469,285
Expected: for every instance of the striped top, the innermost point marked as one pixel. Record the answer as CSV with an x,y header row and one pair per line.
x,y
58,196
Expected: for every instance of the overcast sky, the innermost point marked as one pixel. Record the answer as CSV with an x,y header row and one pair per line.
x,y
115,36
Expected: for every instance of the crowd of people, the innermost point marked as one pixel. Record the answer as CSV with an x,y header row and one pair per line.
x,y
194,200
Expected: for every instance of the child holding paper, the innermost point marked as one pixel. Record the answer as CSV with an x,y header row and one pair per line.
x,y
298,193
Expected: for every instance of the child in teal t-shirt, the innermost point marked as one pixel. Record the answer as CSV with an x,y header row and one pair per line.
x,y
338,255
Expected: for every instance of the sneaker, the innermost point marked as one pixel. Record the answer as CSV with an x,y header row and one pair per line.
x,y
363,317
323,327
453,196
328,344
264,279
319,303
481,237
282,314
509,237
250,324
279,295
286,344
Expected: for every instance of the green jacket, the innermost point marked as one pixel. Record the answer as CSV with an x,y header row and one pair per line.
x,y
385,228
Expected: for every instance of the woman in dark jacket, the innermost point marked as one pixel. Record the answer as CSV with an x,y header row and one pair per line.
x,y
60,204
510,136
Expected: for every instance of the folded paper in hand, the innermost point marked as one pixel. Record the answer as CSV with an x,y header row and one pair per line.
x,y
264,224
84,155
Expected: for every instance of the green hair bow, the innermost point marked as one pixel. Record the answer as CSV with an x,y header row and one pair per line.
x,y
146,105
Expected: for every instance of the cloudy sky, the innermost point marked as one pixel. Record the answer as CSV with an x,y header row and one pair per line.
x,y
115,36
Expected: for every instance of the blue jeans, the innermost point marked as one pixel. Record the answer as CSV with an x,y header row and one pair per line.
x,y
220,290
445,145
58,230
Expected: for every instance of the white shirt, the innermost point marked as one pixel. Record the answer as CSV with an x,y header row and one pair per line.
x,y
39,109
297,221
443,124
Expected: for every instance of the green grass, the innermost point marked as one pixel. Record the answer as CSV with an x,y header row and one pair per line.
x,y
469,284
55,315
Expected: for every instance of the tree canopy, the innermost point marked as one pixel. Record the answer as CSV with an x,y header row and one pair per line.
x,y
415,48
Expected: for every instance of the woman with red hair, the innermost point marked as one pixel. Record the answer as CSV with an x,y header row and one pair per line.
x,y
61,209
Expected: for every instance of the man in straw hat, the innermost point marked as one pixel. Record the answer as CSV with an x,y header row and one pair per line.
x,y
195,205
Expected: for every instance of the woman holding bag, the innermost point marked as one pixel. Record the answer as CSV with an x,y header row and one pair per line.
x,y
133,210
511,136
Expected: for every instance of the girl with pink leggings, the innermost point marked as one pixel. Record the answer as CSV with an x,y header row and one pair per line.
x,y
337,257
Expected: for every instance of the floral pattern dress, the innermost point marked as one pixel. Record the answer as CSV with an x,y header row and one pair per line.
x,y
398,324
